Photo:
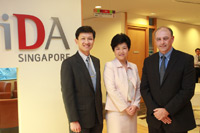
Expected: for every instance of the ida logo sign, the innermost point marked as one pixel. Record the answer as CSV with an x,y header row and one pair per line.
x,y
39,39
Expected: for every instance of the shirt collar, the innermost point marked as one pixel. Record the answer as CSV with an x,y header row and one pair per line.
x,y
167,55
84,57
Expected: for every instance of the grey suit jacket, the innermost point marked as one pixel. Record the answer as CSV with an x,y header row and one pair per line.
x,y
82,103
175,92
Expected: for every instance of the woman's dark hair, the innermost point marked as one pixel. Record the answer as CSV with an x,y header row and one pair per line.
x,y
119,39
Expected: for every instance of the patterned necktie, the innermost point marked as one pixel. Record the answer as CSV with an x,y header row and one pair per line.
x,y
92,73
162,69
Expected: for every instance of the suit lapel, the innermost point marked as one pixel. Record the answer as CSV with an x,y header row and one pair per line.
x,y
156,69
172,61
84,69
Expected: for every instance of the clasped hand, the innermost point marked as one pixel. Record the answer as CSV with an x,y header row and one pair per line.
x,y
131,110
162,115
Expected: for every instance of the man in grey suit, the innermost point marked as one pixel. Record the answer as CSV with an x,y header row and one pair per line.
x,y
81,88
167,86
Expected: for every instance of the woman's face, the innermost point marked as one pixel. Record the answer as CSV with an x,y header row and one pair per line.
x,y
121,51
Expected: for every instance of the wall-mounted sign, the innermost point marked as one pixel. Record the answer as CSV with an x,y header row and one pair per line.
x,y
40,37
40,32
104,13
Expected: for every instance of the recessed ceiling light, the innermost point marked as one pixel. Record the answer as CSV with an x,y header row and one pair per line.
x,y
153,13
97,6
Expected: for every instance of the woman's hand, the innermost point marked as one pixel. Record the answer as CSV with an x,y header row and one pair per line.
x,y
131,110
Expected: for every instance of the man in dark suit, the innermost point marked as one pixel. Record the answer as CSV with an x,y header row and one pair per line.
x,y
167,85
81,88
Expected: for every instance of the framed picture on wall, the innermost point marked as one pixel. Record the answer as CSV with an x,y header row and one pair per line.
x,y
8,73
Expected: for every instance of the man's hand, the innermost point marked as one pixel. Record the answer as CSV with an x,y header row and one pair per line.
x,y
166,120
75,127
162,115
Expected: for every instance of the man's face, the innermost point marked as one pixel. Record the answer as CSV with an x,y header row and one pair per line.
x,y
85,42
164,40
197,52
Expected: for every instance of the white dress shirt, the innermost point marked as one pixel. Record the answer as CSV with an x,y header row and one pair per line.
x,y
196,61
84,57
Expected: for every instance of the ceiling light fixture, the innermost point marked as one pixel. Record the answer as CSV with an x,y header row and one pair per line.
x,y
97,7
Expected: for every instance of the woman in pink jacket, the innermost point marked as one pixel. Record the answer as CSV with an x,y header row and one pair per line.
x,y
122,84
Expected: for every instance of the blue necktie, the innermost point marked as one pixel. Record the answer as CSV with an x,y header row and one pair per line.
x,y
162,69
92,73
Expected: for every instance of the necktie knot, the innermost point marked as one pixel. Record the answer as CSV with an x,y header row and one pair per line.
x,y
163,57
163,60
88,59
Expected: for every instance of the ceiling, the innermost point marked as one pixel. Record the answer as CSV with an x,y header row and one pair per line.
x,y
185,11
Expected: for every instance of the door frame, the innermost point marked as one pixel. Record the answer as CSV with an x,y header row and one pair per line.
x,y
146,28
146,36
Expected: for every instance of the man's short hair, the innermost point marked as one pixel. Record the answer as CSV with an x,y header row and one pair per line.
x,y
164,27
84,29
197,49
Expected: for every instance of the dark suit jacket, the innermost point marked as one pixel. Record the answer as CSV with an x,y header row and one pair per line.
x,y
82,103
175,92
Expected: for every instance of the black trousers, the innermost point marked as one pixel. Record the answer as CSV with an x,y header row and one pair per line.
x,y
197,71
162,129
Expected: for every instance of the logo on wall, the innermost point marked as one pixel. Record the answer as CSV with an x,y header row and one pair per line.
x,y
39,40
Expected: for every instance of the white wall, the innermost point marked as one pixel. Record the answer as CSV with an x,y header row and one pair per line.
x,y
135,19
40,103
